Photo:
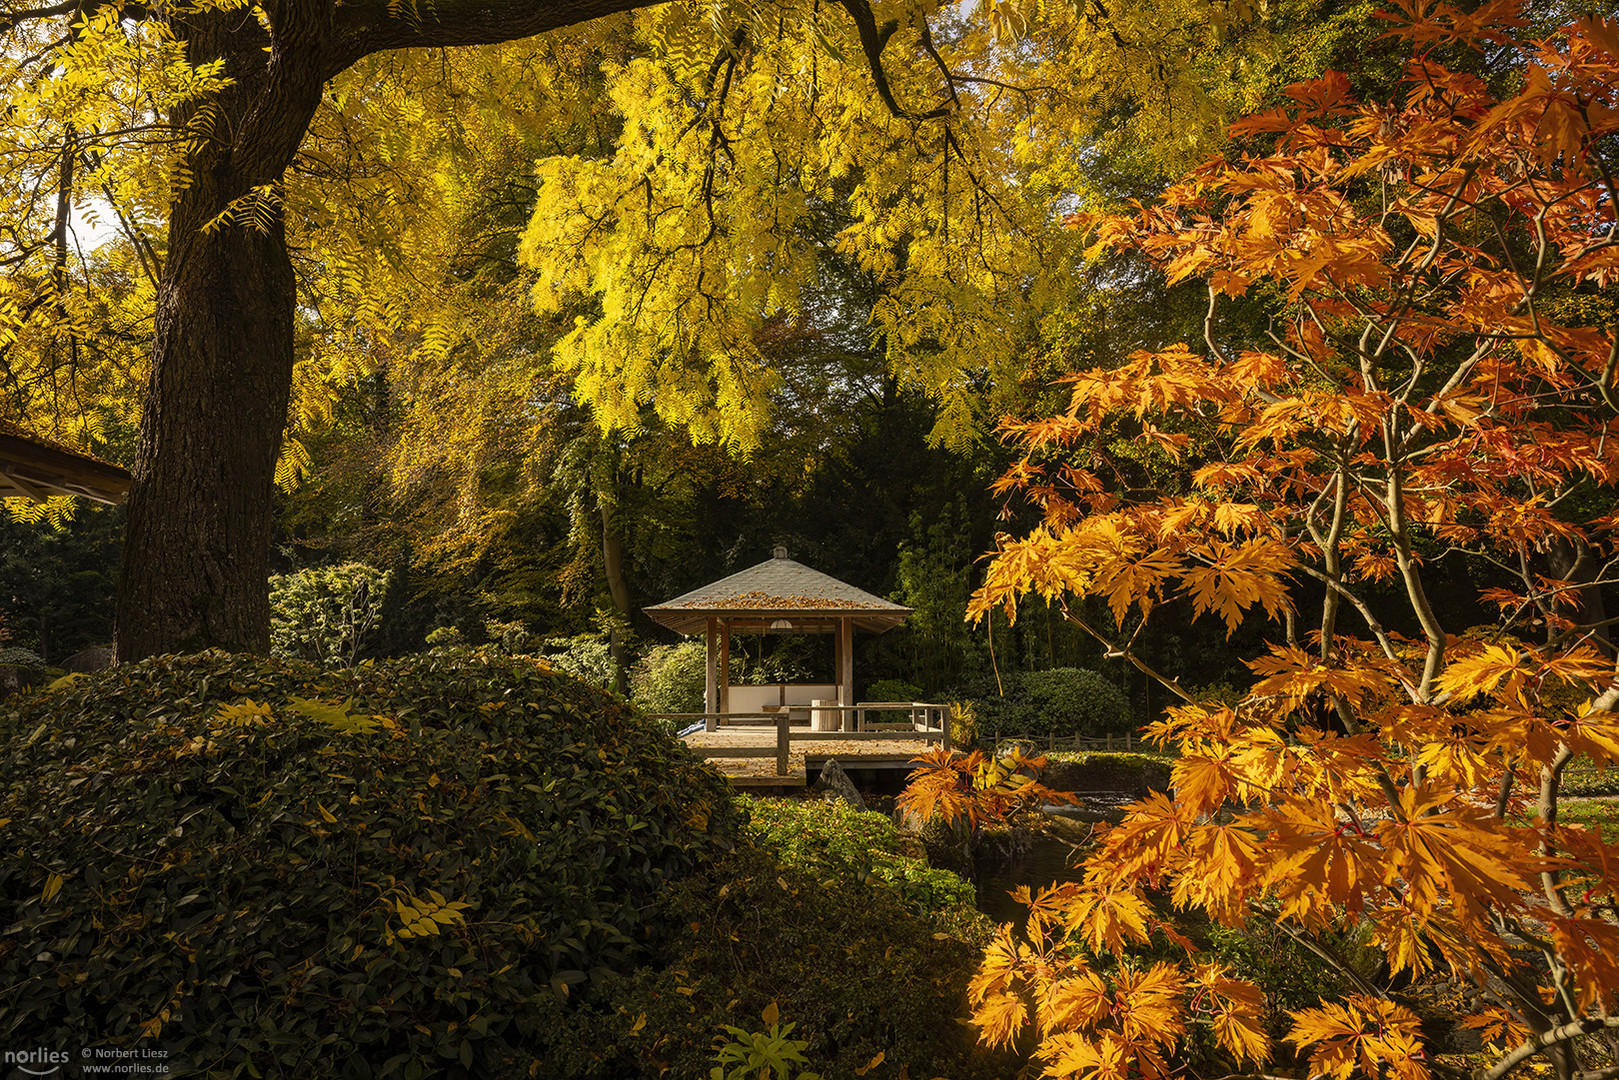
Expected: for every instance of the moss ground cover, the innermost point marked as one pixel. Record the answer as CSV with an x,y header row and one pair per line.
x,y
839,843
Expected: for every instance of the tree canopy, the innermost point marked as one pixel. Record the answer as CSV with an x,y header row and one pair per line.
x,y
933,147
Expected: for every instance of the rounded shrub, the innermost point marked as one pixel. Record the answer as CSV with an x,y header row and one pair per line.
x,y
1064,702
1073,701
271,869
846,960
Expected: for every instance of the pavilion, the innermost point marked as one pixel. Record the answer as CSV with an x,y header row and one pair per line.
x,y
35,468
779,596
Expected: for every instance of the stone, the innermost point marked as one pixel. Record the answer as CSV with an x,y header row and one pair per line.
x,y
98,658
834,783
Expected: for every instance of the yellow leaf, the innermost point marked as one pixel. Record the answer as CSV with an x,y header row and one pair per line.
x,y
771,1013
870,1065
1000,1017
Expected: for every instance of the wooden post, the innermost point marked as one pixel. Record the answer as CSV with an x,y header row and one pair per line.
x,y
947,716
725,666
845,663
781,742
711,701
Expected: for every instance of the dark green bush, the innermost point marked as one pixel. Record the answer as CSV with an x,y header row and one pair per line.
x,y
269,869
893,690
847,962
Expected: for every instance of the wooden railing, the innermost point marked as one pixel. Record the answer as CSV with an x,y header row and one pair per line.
x,y
922,721
1109,743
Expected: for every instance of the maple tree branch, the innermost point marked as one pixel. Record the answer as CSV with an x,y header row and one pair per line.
x,y
1563,1033
1605,384
1397,311
1415,592
1383,640
1503,793
1551,776
1208,327
1584,629
1114,652
1331,552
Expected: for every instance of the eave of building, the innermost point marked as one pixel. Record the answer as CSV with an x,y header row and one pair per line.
x,y
32,468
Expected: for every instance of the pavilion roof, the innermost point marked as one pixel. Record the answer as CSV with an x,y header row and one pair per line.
x,y
779,590
36,468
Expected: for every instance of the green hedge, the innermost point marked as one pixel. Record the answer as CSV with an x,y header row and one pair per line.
x,y
1064,702
892,690
269,869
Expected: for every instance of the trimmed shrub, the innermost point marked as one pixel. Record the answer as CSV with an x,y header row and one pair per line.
x,y
1064,702
846,961
893,690
277,870
1137,774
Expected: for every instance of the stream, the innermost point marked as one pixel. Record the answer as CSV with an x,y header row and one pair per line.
x,y
1040,861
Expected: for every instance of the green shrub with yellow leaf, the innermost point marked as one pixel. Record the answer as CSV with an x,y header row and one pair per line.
x,y
270,869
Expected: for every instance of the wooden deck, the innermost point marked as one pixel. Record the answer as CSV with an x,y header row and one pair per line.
x,y
770,751
759,768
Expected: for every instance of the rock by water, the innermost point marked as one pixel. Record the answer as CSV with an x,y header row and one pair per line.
x,y
834,783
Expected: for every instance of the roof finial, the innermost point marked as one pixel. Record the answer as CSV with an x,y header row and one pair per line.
x,y
780,552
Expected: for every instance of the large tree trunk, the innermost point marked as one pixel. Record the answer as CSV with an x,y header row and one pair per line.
x,y
197,547
196,553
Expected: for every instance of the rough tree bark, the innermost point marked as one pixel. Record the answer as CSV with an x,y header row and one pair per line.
x,y
197,544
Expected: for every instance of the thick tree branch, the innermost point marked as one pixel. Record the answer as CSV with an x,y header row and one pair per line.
x,y
368,26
